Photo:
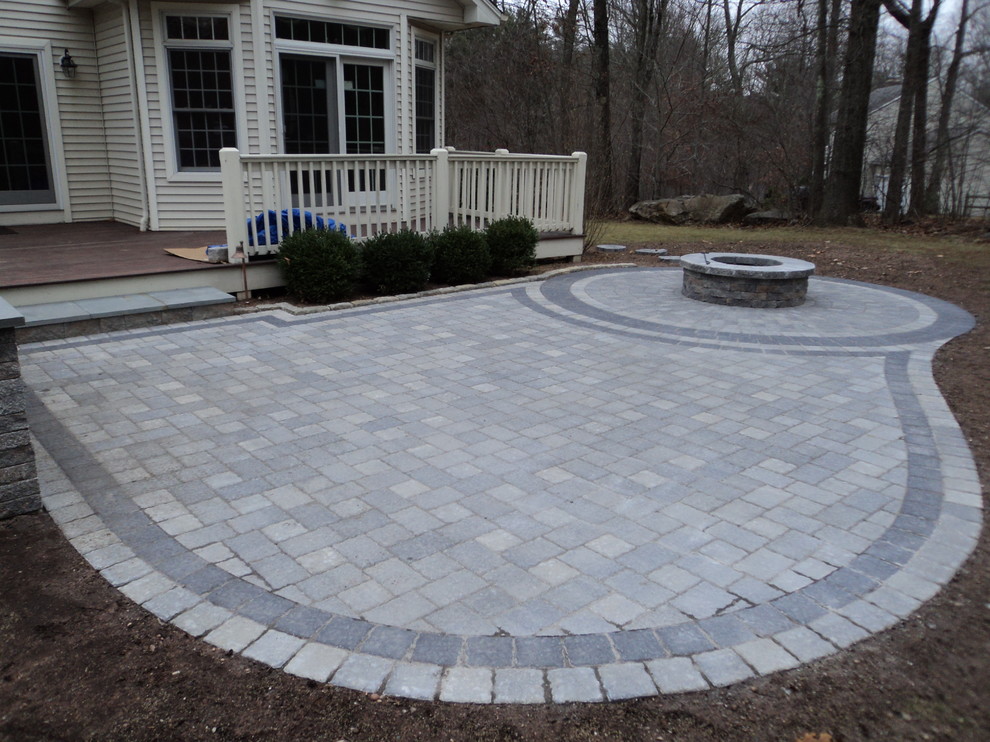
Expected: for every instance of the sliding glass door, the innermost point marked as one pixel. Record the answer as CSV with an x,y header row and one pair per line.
x,y
25,160
331,106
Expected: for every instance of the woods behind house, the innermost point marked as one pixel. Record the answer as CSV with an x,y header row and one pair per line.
x,y
773,99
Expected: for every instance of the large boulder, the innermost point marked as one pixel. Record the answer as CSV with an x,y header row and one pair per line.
x,y
661,211
704,209
764,218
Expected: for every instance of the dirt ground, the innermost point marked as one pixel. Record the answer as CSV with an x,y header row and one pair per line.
x,y
78,661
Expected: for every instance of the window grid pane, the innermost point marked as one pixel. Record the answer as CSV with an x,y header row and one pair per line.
x,y
23,162
328,32
364,109
305,106
203,106
425,50
426,109
196,28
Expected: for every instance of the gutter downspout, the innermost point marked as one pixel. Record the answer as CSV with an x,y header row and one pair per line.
x,y
125,15
139,90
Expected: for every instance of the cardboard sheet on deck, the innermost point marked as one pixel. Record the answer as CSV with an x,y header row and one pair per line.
x,y
189,253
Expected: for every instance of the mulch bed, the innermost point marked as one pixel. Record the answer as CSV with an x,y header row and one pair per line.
x,y
78,661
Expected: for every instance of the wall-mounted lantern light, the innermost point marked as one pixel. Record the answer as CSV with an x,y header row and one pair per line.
x,y
67,65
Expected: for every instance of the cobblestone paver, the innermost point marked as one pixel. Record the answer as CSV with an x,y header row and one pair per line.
x,y
584,489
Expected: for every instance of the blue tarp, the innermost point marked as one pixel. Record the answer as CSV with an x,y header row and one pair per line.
x,y
265,225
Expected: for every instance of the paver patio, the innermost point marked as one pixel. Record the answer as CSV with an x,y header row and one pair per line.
x,y
579,489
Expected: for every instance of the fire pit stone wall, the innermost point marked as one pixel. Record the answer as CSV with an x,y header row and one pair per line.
x,y
742,280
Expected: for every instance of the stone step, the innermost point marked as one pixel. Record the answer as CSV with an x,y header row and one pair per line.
x,y
84,316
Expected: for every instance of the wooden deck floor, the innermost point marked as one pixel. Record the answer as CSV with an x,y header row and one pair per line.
x,y
61,253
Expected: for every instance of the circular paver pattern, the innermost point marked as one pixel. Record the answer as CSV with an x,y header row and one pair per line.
x,y
581,489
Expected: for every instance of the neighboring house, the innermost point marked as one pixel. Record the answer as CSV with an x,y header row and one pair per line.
x,y
966,179
160,87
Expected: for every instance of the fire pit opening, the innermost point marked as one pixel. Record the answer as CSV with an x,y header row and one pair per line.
x,y
740,280
744,260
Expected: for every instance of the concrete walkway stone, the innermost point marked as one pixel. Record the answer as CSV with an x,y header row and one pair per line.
x,y
581,489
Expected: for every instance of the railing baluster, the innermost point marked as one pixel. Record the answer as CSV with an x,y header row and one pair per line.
x,y
371,194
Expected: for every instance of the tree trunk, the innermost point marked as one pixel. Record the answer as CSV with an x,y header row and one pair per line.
x,y
823,105
603,98
902,129
841,201
646,21
731,35
706,50
569,32
919,137
913,85
934,190
568,40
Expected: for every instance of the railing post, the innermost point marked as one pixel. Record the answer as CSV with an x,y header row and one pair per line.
x,y
232,180
577,193
441,188
501,185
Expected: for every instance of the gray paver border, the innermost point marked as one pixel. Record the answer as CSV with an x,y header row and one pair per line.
x,y
950,320
883,570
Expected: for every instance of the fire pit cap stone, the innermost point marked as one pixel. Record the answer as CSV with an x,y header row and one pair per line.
x,y
743,265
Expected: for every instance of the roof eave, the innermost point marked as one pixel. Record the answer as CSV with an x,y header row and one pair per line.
x,y
477,14
482,13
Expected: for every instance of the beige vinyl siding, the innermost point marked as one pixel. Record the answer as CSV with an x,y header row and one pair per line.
x,y
119,114
182,201
405,138
77,117
251,139
195,202
149,69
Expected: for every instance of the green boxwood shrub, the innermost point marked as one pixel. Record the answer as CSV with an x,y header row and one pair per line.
x,y
460,255
396,262
319,265
512,243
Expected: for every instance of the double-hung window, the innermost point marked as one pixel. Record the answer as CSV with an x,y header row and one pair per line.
x,y
426,95
200,75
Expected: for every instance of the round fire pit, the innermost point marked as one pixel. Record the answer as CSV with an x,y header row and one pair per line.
x,y
741,280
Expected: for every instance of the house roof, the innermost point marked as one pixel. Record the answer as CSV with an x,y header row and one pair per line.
x,y
476,12
482,12
883,95
887,94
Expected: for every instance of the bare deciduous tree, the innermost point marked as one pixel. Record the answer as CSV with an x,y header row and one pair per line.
x,y
603,99
942,143
841,198
912,112
764,97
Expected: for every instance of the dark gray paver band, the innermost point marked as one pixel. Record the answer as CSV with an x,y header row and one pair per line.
x,y
445,515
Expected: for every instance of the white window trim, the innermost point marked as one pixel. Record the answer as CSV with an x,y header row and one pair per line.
x,y
49,95
342,55
435,65
159,10
316,49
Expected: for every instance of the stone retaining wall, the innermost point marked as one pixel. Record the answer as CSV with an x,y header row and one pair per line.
x,y
19,491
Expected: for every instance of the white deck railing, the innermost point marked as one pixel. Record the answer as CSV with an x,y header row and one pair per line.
x,y
269,196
